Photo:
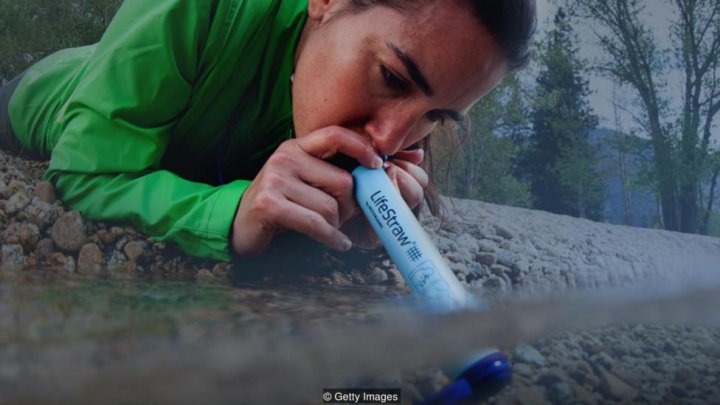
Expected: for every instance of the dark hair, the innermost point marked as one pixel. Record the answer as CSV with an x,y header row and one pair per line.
x,y
511,23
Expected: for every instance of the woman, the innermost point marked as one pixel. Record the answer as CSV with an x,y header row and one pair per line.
x,y
210,122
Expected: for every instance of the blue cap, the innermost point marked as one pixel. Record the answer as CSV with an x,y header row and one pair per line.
x,y
481,380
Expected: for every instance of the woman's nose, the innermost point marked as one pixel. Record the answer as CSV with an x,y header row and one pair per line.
x,y
390,135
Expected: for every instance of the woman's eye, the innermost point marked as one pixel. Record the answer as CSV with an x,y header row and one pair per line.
x,y
393,81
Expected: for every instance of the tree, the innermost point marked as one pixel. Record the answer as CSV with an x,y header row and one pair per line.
x,y
560,161
681,141
480,164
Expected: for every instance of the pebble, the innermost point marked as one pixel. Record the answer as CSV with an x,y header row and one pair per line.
x,y
377,275
45,191
68,233
13,258
503,232
204,276
135,250
615,388
90,260
17,202
527,354
487,259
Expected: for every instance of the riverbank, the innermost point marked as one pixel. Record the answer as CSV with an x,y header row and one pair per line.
x,y
501,253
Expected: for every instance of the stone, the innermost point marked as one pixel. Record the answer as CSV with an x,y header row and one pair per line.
x,y
45,247
495,283
487,259
487,245
70,265
503,232
527,354
4,190
505,258
615,388
135,250
550,377
17,202
523,369
530,395
42,214
499,270
204,276
377,275
45,191
560,393
90,260
68,233
13,258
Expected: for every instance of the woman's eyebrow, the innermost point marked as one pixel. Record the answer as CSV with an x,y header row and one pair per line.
x,y
413,70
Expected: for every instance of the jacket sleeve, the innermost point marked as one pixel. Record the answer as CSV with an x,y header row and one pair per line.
x,y
115,128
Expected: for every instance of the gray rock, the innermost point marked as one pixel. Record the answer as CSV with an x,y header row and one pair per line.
x,y
524,369
45,191
13,258
4,190
17,202
42,214
550,377
90,260
487,245
505,258
528,354
496,284
488,259
560,392
503,232
615,388
135,250
377,275
467,242
45,247
499,270
68,233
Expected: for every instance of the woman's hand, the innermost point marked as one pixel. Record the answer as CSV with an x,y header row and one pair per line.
x,y
297,190
405,172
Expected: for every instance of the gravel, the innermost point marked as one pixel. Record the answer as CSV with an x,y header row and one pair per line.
x,y
494,250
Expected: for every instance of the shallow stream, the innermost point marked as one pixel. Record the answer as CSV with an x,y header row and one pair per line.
x,y
77,340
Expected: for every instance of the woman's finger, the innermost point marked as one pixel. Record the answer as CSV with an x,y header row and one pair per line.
x,y
414,156
328,142
417,172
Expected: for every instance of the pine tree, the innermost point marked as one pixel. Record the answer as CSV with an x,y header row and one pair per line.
x,y
560,162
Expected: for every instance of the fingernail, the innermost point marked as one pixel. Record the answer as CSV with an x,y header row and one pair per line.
x,y
377,162
345,244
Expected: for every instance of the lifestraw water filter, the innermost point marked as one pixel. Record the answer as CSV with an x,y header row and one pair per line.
x,y
428,275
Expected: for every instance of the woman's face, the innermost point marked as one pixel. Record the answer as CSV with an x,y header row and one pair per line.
x,y
388,74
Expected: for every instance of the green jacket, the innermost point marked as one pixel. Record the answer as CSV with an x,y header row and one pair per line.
x,y
178,94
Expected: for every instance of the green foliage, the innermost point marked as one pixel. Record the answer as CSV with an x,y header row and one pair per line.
x,y
559,161
480,166
32,29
